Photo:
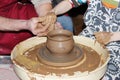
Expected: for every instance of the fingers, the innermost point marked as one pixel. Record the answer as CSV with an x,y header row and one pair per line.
x,y
43,30
42,34
41,19
49,22
99,37
103,37
42,25
50,18
52,27
58,26
46,21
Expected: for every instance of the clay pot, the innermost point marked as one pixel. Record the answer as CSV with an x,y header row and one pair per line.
x,y
60,42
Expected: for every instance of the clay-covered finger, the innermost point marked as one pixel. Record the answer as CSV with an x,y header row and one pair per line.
x,y
44,28
46,21
41,19
42,34
50,18
51,27
39,25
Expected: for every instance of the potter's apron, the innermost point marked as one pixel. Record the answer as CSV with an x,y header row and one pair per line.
x,y
100,18
15,10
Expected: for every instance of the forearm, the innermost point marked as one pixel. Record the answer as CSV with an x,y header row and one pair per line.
x,y
115,36
7,24
62,7
42,7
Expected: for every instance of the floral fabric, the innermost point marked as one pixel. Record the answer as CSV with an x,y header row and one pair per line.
x,y
100,18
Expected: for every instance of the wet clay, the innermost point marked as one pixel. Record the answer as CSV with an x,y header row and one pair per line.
x,y
103,37
30,61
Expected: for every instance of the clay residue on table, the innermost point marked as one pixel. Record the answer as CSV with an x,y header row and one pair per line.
x,y
30,61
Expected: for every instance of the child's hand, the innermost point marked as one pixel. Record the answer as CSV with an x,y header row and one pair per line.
x,y
50,20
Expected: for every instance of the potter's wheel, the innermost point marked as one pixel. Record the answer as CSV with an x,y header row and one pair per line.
x,y
72,58
84,62
61,51
28,67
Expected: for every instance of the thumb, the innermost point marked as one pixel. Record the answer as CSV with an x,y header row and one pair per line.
x,y
58,26
41,19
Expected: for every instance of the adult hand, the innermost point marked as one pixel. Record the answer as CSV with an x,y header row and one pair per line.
x,y
42,25
49,22
103,37
36,27
58,26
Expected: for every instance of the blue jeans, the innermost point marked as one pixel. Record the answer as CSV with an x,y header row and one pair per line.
x,y
66,22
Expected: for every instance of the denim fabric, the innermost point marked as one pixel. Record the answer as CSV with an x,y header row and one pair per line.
x,y
66,22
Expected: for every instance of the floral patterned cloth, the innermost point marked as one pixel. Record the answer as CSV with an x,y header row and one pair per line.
x,y
100,18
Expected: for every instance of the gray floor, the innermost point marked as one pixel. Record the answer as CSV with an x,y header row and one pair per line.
x,y
5,60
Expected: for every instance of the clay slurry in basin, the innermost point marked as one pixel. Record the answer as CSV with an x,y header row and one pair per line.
x,y
42,60
30,61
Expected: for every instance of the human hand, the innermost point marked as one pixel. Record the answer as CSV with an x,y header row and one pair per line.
x,y
103,37
42,25
36,27
58,26
49,22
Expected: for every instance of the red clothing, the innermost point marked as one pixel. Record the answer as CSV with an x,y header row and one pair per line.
x,y
15,10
